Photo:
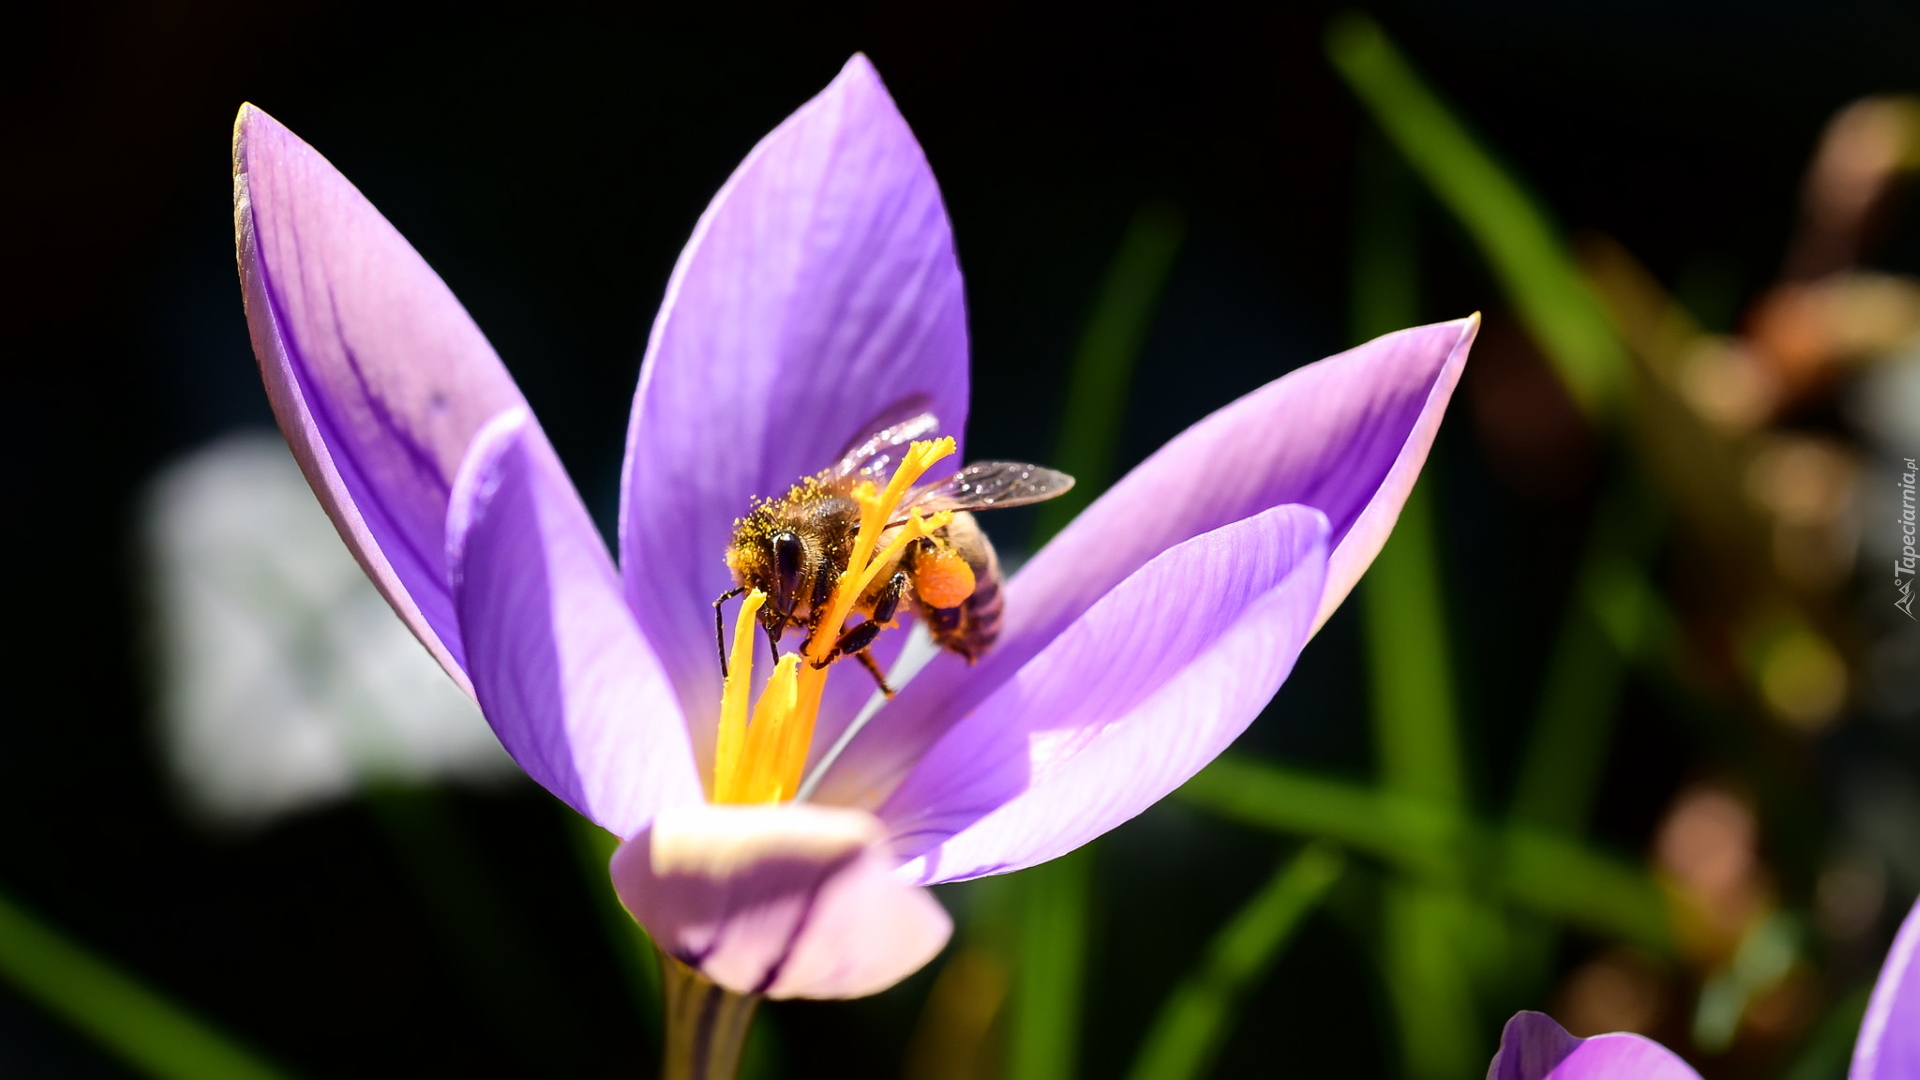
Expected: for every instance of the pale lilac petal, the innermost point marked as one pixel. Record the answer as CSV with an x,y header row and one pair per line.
x,y
1346,436
788,900
1533,1047
1157,678
558,664
818,301
376,373
1889,1044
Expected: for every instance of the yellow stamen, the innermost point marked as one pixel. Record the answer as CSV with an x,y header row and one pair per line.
x,y
773,716
875,513
763,762
732,737
920,457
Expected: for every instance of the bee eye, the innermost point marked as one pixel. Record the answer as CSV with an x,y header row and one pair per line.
x,y
789,563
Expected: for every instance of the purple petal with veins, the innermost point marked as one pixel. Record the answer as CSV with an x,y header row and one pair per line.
x,y
1345,436
558,663
818,301
1123,707
376,373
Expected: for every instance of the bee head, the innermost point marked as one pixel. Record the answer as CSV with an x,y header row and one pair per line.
x,y
774,559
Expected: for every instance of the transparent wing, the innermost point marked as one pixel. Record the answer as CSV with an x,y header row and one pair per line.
x,y
988,485
875,458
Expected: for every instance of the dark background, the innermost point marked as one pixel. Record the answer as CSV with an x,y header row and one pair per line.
x,y
549,163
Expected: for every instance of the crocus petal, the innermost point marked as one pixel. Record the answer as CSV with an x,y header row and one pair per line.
x,y
1889,1044
559,666
1533,1047
818,301
1153,682
1346,436
789,900
378,376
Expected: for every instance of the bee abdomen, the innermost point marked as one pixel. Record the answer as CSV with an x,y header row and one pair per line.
x,y
983,612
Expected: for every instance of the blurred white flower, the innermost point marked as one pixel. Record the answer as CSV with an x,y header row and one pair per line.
x,y
284,679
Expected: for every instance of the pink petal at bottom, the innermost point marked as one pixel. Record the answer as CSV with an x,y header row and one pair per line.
x,y
787,900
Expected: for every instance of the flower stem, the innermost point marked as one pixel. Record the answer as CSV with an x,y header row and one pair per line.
x,y
706,1024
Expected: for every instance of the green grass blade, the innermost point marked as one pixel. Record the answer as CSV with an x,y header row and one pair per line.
x,y
1521,244
1043,1035
1555,875
128,1018
1538,870
1096,401
1419,837
1199,1014
1605,627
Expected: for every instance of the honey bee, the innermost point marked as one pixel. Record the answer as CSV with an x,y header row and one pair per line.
x,y
795,548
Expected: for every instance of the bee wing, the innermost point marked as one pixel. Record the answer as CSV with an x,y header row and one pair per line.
x,y
873,459
988,485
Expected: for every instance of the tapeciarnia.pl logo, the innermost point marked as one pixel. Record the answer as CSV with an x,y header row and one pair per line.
x,y
1906,562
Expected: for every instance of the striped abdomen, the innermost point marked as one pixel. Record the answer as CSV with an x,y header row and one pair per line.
x,y
971,628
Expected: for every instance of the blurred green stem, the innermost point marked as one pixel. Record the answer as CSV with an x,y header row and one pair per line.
x,y
706,1025
128,1018
1096,399
1043,1036
1517,237
1199,1014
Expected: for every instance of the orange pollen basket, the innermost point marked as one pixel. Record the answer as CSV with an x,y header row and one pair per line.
x,y
761,758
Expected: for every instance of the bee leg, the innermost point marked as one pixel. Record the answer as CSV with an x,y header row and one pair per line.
x,y
853,642
873,668
720,626
889,600
773,642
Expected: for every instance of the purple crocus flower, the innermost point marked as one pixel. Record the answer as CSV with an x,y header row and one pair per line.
x,y
1533,1047
818,301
